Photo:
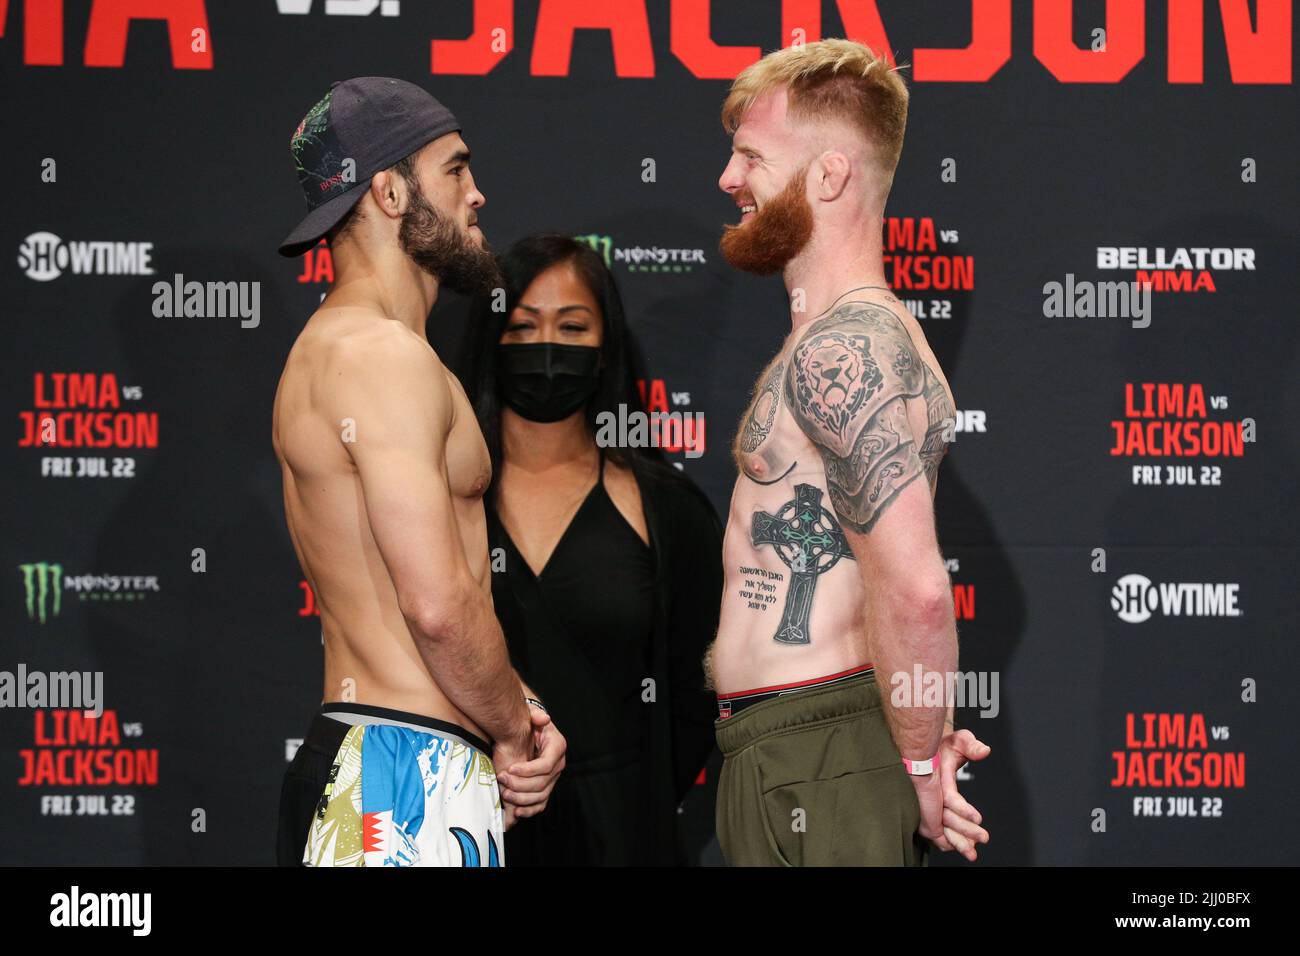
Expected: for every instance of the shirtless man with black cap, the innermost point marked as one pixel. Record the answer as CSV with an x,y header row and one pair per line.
x,y
383,467
834,581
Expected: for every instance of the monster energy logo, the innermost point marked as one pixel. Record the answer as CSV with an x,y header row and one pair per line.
x,y
602,244
644,258
39,581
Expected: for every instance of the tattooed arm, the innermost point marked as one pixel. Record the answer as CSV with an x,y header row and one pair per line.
x,y
852,380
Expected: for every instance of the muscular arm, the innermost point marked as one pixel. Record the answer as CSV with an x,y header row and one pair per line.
x,y
849,380
395,392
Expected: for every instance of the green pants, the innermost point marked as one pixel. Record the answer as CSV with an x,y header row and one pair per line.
x,y
813,778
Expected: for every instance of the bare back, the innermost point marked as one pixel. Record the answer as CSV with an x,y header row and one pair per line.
x,y
370,655
793,604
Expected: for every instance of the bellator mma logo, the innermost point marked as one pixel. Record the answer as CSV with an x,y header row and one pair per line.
x,y
1257,37
1182,269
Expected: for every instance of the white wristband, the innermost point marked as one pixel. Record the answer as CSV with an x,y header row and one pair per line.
x,y
919,768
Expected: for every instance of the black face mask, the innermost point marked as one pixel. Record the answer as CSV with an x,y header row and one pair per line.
x,y
545,382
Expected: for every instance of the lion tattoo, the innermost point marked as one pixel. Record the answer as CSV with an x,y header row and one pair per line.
x,y
835,376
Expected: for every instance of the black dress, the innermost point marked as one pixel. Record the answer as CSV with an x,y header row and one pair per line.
x,y
611,635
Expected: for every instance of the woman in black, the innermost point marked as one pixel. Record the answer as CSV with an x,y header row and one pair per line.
x,y
612,562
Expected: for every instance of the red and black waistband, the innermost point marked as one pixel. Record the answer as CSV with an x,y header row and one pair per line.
x,y
731,704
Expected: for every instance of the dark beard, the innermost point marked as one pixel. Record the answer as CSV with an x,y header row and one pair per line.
x,y
435,245
776,234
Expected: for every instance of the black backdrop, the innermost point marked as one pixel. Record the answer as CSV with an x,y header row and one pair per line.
x,y
176,145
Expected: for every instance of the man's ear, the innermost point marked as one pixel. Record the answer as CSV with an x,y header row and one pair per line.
x,y
389,193
832,175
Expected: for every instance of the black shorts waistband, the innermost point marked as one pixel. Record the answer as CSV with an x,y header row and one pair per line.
x,y
729,705
341,714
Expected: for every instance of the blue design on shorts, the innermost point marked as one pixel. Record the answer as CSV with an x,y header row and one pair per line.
x,y
390,775
469,854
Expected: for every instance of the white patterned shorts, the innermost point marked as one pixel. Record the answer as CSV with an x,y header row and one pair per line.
x,y
406,791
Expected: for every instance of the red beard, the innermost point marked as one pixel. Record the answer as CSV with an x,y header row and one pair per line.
x,y
776,234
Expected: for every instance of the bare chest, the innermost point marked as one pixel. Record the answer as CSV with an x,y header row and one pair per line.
x,y
469,467
769,444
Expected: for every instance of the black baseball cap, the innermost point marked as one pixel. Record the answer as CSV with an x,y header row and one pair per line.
x,y
374,121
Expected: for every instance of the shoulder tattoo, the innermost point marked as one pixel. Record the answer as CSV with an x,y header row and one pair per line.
x,y
941,423
847,386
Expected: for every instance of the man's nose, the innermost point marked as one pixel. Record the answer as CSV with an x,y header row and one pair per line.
x,y
730,180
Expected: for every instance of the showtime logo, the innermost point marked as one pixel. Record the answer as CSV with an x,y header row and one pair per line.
x,y
1257,37
1135,599
44,256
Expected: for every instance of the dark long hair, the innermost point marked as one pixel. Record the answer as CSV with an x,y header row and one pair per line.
x,y
621,364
